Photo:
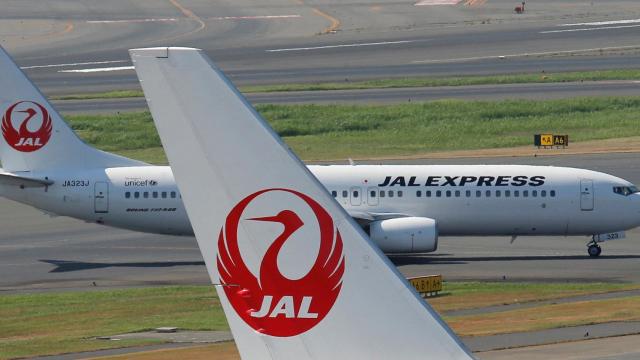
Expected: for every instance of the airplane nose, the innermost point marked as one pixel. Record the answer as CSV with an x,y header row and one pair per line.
x,y
635,217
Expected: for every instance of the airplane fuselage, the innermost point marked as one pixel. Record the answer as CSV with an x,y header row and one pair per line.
x,y
464,200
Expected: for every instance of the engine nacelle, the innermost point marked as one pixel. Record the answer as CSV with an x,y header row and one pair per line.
x,y
408,234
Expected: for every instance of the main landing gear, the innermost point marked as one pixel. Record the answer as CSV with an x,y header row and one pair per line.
x,y
593,248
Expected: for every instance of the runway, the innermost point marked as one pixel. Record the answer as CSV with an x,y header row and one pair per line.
x,y
284,41
42,253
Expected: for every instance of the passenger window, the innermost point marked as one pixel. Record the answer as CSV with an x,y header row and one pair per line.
x,y
488,193
155,194
468,193
478,193
145,194
173,194
390,193
127,194
164,194
534,193
355,194
418,193
428,193
335,193
498,193
399,193
516,193
525,193
136,194
381,193
345,193
448,193
372,193
552,193
543,193
457,193
438,193
507,193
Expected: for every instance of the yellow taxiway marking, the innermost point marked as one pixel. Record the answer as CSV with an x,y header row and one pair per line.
x,y
335,23
189,14
475,2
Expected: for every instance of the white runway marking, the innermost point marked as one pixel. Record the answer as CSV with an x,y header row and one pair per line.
x,y
130,21
600,23
436,2
490,57
74,64
258,17
589,29
106,69
343,46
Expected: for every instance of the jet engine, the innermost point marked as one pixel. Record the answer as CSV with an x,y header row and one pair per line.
x,y
403,235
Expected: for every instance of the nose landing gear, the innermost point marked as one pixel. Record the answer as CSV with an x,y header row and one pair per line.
x,y
594,250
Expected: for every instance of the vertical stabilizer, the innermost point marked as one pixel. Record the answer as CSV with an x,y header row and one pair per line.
x,y
297,278
34,135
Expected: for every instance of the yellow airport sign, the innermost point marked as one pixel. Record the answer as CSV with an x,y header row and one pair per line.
x,y
427,285
550,140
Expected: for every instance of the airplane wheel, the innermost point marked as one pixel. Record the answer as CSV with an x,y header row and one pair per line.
x,y
594,250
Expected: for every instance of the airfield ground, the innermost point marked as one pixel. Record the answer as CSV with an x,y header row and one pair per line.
x,y
83,49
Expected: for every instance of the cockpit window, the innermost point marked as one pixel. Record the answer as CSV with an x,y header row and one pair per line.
x,y
625,190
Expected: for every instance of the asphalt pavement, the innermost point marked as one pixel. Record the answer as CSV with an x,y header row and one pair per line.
x,y
286,41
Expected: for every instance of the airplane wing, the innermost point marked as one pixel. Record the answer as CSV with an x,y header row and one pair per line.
x,y
363,218
7,178
296,277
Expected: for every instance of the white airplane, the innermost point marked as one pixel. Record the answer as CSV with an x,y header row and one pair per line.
x,y
257,211
403,208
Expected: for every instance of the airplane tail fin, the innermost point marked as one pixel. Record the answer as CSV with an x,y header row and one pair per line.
x,y
34,135
297,278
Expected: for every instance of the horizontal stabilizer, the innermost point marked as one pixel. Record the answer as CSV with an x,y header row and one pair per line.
x,y
11,179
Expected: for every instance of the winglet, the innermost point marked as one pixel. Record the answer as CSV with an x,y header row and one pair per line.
x,y
308,283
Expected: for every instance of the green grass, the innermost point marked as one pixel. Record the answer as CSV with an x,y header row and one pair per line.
x,y
623,74
469,295
54,323
630,74
116,94
323,132
548,316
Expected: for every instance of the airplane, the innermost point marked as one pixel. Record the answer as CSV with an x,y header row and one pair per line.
x,y
404,208
257,210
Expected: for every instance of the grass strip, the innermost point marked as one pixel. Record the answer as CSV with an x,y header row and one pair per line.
x,y
548,317
54,323
409,82
471,295
326,132
116,94
600,75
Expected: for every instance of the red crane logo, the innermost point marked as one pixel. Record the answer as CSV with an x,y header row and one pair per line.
x,y
23,139
274,304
